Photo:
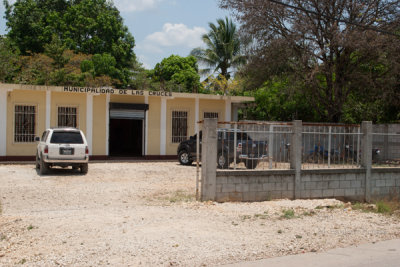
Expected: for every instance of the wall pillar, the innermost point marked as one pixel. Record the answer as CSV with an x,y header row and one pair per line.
x,y
89,122
146,127
295,156
366,156
3,122
163,127
107,123
209,160
48,109
228,110
196,115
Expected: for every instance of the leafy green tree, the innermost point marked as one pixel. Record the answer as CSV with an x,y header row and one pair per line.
x,y
9,63
89,27
224,49
342,51
277,101
179,72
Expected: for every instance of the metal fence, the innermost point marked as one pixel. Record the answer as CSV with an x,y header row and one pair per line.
x,y
250,145
267,145
331,146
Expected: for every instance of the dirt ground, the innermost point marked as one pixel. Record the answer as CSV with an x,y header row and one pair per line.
x,y
145,214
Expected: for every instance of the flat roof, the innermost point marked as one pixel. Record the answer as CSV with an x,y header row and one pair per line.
x,y
131,92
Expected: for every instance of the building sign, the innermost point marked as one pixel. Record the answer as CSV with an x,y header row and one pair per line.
x,y
112,91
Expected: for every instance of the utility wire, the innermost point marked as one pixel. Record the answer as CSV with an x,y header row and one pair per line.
x,y
337,19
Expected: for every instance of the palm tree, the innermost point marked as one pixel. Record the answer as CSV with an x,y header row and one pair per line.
x,y
223,51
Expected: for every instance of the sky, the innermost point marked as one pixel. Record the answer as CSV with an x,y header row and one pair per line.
x,y
162,27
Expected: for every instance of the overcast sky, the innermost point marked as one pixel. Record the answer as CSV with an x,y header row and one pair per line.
x,y
163,27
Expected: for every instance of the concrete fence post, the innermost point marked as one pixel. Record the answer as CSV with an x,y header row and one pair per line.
x,y
366,156
295,156
209,160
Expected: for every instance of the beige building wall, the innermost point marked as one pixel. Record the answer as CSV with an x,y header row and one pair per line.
x,y
68,100
158,115
24,97
206,105
153,141
179,104
127,99
99,126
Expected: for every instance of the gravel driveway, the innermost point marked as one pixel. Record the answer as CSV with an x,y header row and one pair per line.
x,y
132,214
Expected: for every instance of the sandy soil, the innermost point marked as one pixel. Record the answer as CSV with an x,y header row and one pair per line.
x,y
144,214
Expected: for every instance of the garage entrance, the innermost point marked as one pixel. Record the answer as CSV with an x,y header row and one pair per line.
x,y
126,130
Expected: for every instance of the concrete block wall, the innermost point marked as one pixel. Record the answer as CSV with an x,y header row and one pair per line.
x,y
365,183
254,186
341,184
348,184
385,183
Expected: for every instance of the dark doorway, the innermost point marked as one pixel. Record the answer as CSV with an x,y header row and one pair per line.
x,y
126,138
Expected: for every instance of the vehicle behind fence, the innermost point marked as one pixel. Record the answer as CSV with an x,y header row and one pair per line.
x,y
267,145
254,145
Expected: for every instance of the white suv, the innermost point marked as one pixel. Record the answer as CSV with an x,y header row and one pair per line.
x,y
62,147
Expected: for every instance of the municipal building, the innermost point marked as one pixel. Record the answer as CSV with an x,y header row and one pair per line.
x,y
116,122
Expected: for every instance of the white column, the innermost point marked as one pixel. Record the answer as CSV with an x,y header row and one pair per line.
x,y
89,121
107,121
163,127
228,109
197,112
48,109
3,122
146,129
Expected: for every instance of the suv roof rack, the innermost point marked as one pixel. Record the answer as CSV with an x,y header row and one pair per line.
x,y
64,128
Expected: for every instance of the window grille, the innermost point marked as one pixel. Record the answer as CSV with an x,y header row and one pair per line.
x,y
67,117
179,126
210,115
25,122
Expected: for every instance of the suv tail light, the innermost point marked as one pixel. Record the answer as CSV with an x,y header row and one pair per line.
x,y
87,150
46,150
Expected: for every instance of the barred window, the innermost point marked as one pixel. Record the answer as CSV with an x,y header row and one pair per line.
x,y
210,115
179,126
25,123
67,117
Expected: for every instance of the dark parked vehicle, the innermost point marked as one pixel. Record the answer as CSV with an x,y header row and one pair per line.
x,y
247,150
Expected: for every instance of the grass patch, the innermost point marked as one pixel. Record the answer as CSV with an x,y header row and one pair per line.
x,y
263,216
30,227
173,197
23,261
309,213
382,207
288,214
181,196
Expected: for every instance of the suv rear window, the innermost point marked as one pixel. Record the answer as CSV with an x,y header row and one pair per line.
x,y
66,138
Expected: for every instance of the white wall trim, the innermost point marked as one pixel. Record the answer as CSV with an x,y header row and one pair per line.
x,y
48,109
107,121
3,122
89,121
196,116
228,110
146,129
163,127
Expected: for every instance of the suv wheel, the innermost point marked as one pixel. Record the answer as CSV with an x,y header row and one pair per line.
x,y
184,158
43,166
250,164
37,162
84,168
